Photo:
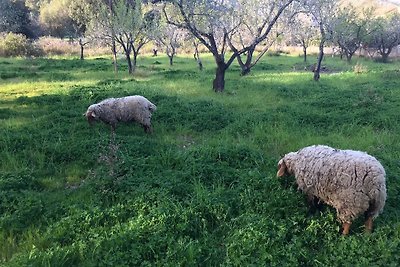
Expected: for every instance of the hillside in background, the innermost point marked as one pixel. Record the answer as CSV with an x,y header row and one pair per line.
x,y
382,6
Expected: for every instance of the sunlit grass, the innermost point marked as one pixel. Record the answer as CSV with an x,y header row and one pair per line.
x,y
201,190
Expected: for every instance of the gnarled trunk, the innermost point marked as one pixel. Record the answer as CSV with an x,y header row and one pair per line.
x,y
305,52
196,55
115,59
128,59
171,51
135,55
246,66
81,44
82,58
320,57
321,53
219,81
385,54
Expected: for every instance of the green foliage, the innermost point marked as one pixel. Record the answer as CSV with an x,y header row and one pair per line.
x,y
55,17
12,45
15,18
201,190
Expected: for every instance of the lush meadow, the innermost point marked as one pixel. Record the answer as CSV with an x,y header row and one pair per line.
x,y
202,189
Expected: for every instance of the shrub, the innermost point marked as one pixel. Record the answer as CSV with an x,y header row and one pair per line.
x,y
360,68
55,46
13,45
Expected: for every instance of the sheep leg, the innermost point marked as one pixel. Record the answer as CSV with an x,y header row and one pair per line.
x,y
368,224
314,204
147,129
112,134
346,228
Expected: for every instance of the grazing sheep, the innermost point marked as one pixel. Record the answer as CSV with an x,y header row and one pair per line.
x,y
353,182
125,109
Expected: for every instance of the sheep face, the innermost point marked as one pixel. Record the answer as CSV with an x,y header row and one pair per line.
x,y
91,117
282,169
284,166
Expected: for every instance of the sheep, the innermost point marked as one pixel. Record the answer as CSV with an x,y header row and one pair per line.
x,y
353,182
125,109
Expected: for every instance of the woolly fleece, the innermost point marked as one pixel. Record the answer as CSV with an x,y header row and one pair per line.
x,y
125,109
353,182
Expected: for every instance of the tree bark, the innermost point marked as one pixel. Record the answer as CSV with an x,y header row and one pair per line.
x,y
171,51
246,66
219,81
317,69
129,61
321,53
135,55
82,47
385,57
305,53
385,54
197,56
82,58
114,52
349,55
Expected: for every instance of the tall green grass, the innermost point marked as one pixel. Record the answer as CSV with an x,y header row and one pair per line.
x,y
201,190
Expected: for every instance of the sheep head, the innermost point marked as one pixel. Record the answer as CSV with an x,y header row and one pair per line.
x,y
282,168
90,116
285,164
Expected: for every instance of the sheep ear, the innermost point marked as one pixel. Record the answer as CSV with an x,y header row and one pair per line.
x,y
281,168
92,114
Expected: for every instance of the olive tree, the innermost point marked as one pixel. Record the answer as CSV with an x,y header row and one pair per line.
x,y
15,17
55,19
351,28
386,37
212,23
303,31
322,13
171,37
259,17
124,22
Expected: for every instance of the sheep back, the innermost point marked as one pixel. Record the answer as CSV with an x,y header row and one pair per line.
x,y
351,181
125,109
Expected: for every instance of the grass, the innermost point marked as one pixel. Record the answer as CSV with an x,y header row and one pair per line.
x,y
201,190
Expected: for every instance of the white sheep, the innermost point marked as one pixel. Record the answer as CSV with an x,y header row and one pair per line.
x,y
125,109
353,182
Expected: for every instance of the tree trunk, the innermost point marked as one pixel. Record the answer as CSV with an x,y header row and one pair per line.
x,y
82,58
81,45
200,64
320,57
196,56
219,81
246,66
321,53
128,59
114,52
385,57
349,56
171,60
135,55
305,53
385,54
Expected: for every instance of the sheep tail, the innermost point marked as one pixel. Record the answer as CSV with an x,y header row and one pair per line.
x,y
376,205
152,107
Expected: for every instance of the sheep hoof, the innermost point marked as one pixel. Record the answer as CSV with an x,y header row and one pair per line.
x,y
346,228
368,225
148,129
